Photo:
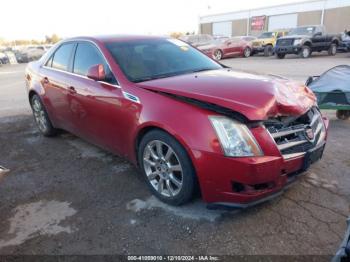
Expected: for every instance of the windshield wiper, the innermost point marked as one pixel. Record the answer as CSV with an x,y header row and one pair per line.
x,y
148,78
201,70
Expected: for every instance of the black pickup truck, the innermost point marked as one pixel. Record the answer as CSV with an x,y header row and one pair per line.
x,y
305,40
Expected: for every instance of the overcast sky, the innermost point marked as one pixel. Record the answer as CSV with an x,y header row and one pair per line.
x,y
33,19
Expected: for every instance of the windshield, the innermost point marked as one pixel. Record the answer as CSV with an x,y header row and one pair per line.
x,y
143,60
266,35
307,30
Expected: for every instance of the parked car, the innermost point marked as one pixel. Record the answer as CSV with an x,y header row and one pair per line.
x,y
223,48
343,254
344,45
31,54
198,40
3,58
307,39
185,120
266,42
220,37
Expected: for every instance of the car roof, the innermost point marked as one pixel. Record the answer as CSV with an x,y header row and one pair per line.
x,y
114,38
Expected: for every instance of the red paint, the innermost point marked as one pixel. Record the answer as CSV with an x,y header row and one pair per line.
x,y
229,48
101,114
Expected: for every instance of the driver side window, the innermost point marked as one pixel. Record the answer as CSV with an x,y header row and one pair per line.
x,y
86,56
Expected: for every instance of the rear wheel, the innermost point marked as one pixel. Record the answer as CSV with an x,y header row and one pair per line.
x,y
281,56
218,54
41,117
268,50
343,114
247,52
305,51
167,168
332,50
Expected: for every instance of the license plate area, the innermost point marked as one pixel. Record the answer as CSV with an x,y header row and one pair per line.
x,y
313,156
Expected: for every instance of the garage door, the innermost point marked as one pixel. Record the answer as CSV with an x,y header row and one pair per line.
x,y
283,21
222,28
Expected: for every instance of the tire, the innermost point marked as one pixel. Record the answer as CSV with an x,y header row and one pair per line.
x,y
343,114
218,54
332,51
280,56
156,167
41,117
268,51
305,51
247,52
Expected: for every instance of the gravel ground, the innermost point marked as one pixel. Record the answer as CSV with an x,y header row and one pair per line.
x,y
66,196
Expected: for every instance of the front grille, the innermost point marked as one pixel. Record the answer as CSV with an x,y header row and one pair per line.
x,y
284,42
291,134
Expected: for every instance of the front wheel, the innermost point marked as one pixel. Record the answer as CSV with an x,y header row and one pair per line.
x,y
281,56
41,117
247,52
268,50
343,114
332,50
305,51
167,168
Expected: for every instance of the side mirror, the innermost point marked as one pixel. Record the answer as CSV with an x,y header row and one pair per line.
x,y
309,80
97,73
318,34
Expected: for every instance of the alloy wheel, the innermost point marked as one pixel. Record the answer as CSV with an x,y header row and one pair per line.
x,y
247,52
334,49
39,115
217,55
163,168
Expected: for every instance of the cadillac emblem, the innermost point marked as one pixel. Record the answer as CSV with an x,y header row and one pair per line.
x,y
309,133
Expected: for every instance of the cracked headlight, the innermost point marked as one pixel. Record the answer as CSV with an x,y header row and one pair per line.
x,y
297,41
235,138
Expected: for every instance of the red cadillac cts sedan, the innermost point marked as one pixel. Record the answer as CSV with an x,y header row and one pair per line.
x,y
187,121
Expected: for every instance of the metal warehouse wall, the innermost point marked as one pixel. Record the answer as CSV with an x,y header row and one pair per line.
x,y
206,28
336,16
239,27
337,19
310,18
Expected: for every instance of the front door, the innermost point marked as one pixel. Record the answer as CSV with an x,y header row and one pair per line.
x,y
96,106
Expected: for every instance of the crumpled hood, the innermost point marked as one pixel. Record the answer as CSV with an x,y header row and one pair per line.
x,y
257,97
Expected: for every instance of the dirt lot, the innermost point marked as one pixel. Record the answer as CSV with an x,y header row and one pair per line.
x,y
65,196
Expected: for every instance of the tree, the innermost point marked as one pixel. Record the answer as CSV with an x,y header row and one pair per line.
x,y
176,34
53,39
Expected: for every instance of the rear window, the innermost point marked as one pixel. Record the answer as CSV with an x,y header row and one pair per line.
x,y
62,57
267,35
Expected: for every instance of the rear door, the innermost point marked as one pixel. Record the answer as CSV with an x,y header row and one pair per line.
x,y
55,79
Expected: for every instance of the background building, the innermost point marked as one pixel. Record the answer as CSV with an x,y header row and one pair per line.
x,y
334,14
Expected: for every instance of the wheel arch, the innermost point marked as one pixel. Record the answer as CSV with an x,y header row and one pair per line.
x,y
31,94
142,131
307,43
335,41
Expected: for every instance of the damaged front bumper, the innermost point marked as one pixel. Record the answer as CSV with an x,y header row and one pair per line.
x,y
247,181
